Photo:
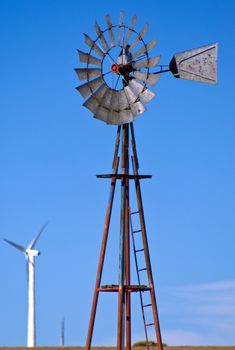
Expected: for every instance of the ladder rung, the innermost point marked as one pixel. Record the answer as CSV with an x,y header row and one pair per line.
x,y
139,250
135,212
144,269
136,231
147,305
149,324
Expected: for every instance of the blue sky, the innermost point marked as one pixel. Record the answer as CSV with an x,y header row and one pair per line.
x,y
51,149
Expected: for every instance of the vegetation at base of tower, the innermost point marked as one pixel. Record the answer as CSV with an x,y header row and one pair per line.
x,y
144,343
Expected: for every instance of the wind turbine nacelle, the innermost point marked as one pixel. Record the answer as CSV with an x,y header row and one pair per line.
x,y
32,252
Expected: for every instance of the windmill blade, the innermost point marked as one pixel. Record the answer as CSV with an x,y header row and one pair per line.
x,y
123,100
114,117
131,27
110,26
148,78
139,37
114,103
102,114
34,241
113,99
94,101
106,100
88,73
109,108
88,88
89,59
120,117
147,62
121,16
126,116
93,46
143,92
101,37
136,105
16,245
144,49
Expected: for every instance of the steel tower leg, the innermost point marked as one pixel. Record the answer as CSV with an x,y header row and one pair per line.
x,y
104,243
124,297
145,243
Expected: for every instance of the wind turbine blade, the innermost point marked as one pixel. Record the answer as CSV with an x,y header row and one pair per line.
x,y
34,241
16,245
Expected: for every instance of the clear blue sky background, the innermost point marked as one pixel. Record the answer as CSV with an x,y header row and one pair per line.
x,y
51,148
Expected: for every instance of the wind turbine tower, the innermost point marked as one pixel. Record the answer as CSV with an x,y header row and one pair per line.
x,y
30,254
62,332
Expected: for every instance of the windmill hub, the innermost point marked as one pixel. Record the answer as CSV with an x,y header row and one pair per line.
x,y
122,69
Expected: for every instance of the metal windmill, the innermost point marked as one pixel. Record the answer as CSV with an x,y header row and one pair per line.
x,y
117,72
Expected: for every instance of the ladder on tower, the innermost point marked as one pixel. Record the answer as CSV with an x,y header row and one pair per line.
x,y
140,269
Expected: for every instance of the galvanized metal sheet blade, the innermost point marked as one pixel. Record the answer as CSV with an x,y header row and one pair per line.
x,y
102,114
131,27
114,104
123,101
144,49
144,93
88,73
106,99
136,105
93,46
120,28
89,87
121,117
197,64
101,37
139,37
126,116
147,62
94,101
149,78
89,59
111,36
113,117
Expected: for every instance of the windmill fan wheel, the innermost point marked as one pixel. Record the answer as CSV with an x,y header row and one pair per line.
x,y
117,72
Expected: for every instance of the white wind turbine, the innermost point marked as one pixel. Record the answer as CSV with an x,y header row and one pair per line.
x,y
30,253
